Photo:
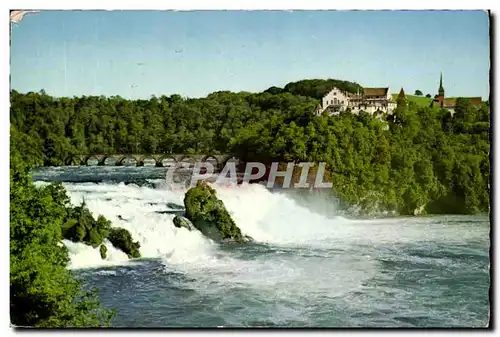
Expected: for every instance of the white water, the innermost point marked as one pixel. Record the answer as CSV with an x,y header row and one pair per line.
x,y
310,257
267,217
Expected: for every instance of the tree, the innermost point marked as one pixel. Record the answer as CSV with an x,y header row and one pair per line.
x,y
428,96
418,93
43,292
274,90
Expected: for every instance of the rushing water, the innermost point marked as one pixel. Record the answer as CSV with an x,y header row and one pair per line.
x,y
309,267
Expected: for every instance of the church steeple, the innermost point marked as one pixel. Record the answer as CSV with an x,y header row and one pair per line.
x,y
441,89
440,97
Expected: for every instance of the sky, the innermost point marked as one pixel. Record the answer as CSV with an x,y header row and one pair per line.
x,y
137,54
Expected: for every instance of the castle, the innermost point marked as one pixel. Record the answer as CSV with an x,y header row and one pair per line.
x,y
370,101
450,103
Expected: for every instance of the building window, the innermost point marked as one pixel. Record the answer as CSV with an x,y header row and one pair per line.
x,y
334,93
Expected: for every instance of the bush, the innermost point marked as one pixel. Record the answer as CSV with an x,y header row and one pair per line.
x,y
43,292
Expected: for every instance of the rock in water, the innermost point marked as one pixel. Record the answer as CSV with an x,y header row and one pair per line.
x,y
103,250
247,238
172,205
121,239
208,214
180,221
180,213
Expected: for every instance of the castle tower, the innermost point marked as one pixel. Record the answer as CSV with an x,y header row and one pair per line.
x,y
441,91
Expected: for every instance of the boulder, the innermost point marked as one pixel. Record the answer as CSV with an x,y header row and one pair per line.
x,y
209,215
103,250
122,239
180,221
82,227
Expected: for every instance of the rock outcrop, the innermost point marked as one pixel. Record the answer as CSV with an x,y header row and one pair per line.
x,y
122,239
209,215
80,226
180,221
103,250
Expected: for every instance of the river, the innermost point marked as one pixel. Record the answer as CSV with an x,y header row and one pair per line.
x,y
310,266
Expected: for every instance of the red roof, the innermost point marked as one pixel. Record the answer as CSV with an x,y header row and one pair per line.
x,y
449,102
475,100
375,91
452,102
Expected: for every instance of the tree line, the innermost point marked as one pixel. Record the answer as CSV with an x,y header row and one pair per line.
x,y
416,160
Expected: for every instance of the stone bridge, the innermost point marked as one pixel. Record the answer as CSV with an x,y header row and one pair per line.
x,y
159,160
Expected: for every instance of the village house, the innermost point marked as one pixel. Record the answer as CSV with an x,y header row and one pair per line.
x,y
449,103
370,101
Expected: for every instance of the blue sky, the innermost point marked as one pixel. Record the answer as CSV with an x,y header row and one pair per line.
x,y
136,54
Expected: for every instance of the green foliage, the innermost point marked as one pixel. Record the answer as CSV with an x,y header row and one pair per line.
x,y
43,292
122,239
208,214
318,88
417,157
418,93
82,227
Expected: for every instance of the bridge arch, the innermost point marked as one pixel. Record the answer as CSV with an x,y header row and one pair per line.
x,y
143,160
212,159
92,157
187,159
106,159
166,161
123,159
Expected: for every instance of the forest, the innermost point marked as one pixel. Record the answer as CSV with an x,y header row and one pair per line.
x,y
418,160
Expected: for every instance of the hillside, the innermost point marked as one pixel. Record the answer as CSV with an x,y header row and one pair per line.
x,y
315,88
420,101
